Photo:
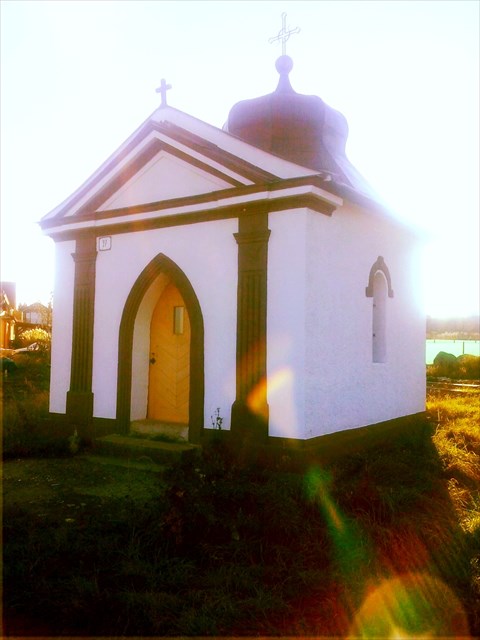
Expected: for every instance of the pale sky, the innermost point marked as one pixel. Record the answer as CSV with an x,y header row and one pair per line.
x,y
77,78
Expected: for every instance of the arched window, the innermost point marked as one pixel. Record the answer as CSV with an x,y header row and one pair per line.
x,y
379,318
379,288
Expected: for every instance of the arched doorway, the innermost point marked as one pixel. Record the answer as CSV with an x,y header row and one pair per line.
x,y
169,361
181,291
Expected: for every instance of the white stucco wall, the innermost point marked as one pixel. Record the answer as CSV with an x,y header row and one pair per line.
x,y
62,325
207,254
321,377
286,300
344,388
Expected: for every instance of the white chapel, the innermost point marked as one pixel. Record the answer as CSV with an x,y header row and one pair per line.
x,y
246,275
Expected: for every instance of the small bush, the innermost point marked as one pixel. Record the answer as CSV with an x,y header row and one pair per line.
x,y
37,336
469,367
30,376
446,365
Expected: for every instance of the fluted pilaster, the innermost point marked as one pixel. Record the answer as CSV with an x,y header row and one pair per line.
x,y
80,396
250,409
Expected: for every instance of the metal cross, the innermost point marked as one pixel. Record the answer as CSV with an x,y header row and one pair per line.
x,y
162,90
284,34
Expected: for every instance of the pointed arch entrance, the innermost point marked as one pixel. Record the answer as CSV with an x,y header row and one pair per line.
x,y
169,361
160,275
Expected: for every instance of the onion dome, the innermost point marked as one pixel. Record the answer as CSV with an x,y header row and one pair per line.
x,y
296,127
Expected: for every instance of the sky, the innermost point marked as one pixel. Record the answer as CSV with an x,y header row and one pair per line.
x,y
77,78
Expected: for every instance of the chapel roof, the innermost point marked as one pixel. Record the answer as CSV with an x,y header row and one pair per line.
x,y
280,142
300,128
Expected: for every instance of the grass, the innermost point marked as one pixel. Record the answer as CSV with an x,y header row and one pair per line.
x,y
383,540
457,440
24,397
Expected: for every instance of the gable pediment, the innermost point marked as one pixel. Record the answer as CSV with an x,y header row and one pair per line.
x,y
153,171
165,177
159,163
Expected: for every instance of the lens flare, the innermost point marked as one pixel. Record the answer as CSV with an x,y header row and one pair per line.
x,y
350,548
414,605
278,386
256,399
317,482
404,598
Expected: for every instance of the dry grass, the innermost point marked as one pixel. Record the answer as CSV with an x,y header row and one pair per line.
x,y
457,440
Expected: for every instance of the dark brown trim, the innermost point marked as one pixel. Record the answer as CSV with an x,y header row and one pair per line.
x,y
249,421
162,264
378,265
80,396
205,215
278,204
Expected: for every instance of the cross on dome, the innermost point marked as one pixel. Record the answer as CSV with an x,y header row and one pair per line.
x,y
284,34
162,90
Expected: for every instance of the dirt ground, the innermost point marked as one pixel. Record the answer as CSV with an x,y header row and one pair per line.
x,y
68,487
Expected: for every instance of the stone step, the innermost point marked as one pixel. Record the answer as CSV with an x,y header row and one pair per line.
x,y
144,450
172,431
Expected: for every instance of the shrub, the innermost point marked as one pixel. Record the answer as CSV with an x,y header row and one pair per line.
x,y
30,376
465,367
38,336
469,367
445,364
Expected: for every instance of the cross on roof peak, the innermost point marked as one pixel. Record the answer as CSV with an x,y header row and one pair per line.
x,y
284,34
162,90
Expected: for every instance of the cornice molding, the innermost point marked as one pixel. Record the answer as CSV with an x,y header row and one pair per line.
x,y
228,203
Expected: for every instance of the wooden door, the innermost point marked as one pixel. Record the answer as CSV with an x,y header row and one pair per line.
x,y
169,376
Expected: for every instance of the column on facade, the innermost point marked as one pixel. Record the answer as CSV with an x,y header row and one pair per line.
x,y
80,395
250,409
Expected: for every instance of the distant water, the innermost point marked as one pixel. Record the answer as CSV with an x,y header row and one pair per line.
x,y
456,347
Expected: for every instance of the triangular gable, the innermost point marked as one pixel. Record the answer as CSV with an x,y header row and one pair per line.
x,y
169,163
153,152
163,178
